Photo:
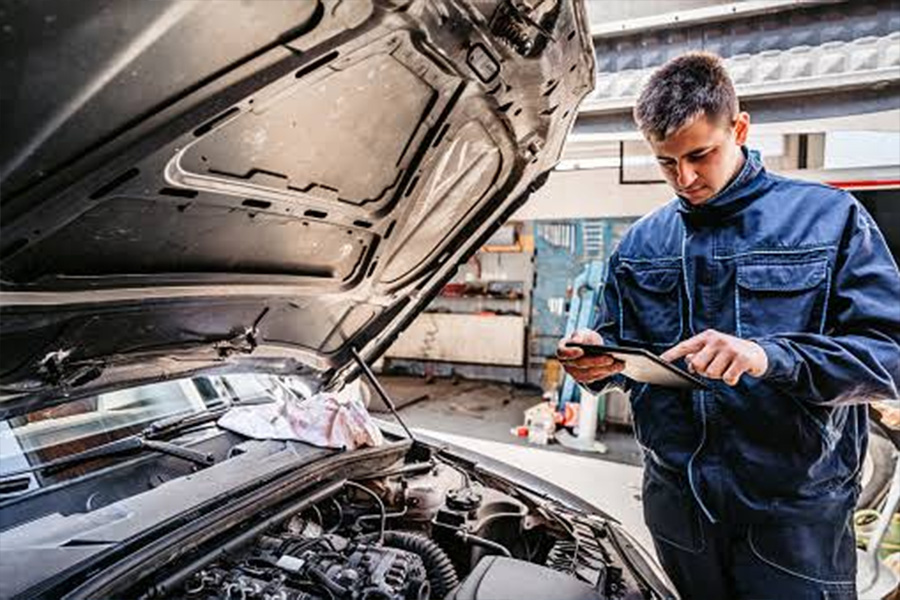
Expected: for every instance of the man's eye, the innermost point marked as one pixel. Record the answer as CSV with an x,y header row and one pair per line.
x,y
696,157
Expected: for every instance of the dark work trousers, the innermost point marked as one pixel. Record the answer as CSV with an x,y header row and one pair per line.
x,y
807,560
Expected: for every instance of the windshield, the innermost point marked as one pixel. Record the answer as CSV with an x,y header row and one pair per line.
x,y
52,433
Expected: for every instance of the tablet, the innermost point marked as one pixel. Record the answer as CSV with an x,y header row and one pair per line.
x,y
644,366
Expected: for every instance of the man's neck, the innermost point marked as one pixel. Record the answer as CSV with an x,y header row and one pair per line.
x,y
738,167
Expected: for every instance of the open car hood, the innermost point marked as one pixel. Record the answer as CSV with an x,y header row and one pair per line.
x,y
219,185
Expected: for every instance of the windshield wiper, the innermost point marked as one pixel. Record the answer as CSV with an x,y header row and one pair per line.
x,y
145,440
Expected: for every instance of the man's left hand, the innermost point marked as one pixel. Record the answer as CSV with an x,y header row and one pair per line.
x,y
716,355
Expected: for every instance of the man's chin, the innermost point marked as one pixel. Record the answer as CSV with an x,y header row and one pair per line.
x,y
696,198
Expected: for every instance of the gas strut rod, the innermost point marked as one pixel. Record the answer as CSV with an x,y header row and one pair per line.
x,y
381,391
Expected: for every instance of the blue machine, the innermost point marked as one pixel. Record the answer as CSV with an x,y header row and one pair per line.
x,y
582,313
570,254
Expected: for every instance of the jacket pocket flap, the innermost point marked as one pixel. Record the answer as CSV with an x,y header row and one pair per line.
x,y
792,277
654,280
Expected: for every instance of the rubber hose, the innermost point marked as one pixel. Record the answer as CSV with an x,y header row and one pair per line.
x,y
441,572
334,587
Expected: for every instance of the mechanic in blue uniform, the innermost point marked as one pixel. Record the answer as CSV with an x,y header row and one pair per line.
x,y
784,295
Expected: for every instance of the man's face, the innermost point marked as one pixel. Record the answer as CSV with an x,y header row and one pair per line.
x,y
701,158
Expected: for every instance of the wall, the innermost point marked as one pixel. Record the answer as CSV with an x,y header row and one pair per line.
x,y
592,193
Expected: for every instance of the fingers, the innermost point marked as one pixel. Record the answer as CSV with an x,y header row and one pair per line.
x,y
758,361
699,361
589,374
586,369
688,346
718,365
587,336
589,366
564,352
590,362
688,361
716,355
733,374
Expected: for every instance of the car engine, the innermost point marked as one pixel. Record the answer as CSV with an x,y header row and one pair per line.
x,y
318,570
428,532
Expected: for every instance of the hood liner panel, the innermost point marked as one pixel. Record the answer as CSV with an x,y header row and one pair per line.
x,y
335,199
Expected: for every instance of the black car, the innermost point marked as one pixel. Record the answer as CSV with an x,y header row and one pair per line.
x,y
225,202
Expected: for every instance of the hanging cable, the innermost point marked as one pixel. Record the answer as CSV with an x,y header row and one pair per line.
x,y
378,501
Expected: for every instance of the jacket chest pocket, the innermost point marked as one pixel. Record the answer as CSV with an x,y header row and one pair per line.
x,y
649,304
781,298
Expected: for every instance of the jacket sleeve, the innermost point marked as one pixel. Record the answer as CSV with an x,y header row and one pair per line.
x,y
607,325
857,359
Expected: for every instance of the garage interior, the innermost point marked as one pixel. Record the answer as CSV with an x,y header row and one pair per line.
x,y
821,81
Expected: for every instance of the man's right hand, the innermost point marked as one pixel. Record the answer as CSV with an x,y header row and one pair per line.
x,y
586,369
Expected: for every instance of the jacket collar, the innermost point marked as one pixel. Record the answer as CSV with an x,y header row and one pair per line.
x,y
734,196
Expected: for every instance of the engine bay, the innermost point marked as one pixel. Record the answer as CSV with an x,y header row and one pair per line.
x,y
423,531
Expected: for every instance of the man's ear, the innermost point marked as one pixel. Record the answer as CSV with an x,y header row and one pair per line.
x,y
741,128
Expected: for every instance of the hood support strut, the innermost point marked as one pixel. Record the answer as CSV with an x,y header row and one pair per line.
x,y
380,389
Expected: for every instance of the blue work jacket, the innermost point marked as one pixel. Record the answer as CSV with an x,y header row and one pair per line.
x,y
801,269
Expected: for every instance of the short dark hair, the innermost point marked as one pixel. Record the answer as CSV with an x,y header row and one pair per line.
x,y
685,87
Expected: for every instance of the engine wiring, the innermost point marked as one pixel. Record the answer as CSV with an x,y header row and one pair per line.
x,y
340,515
392,515
378,501
570,529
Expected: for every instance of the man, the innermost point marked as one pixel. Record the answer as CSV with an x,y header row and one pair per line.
x,y
784,296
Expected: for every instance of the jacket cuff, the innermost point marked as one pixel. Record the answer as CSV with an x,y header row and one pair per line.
x,y
782,364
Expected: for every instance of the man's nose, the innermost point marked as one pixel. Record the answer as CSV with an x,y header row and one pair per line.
x,y
686,175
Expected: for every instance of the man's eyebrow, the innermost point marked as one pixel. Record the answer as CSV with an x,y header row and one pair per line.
x,y
692,152
700,149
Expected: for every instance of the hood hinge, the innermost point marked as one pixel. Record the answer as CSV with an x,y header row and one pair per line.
x,y
244,342
56,370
